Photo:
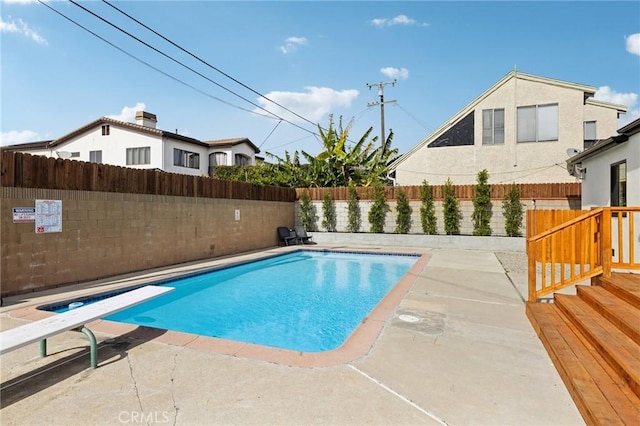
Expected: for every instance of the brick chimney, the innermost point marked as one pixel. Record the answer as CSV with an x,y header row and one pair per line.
x,y
146,119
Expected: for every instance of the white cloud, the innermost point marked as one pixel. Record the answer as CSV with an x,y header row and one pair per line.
x,y
398,20
292,44
313,104
20,27
633,44
607,94
15,137
129,113
630,100
396,73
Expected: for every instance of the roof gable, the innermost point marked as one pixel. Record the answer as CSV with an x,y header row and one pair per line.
x,y
588,92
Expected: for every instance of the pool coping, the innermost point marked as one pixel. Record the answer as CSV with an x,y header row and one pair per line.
x,y
356,346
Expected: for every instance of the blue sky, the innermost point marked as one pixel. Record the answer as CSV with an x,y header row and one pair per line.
x,y
313,57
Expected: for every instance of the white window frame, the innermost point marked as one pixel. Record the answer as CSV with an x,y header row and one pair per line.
x,y
538,123
241,160
182,158
492,134
590,130
95,156
138,155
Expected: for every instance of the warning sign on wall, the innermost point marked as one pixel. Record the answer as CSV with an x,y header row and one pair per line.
x,y
24,214
48,216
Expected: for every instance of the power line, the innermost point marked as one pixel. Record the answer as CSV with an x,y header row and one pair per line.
x,y
151,66
182,64
208,64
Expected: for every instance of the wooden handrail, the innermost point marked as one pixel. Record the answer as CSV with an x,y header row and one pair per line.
x,y
582,248
567,224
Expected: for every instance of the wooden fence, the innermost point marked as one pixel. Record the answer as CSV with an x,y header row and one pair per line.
x,y
34,171
531,191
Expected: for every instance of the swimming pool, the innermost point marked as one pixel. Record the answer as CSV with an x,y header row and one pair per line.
x,y
307,300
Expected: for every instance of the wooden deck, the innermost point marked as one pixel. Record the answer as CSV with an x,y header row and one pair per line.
x,y
593,339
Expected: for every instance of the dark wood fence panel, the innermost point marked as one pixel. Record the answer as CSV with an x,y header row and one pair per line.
x,y
35,171
533,191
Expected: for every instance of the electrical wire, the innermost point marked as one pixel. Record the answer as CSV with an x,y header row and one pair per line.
x,y
270,133
182,64
206,63
151,66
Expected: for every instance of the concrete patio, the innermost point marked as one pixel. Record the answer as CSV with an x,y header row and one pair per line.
x,y
471,359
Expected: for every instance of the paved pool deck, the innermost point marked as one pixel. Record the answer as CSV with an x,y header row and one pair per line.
x,y
471,359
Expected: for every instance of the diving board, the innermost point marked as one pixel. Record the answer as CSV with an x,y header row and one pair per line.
x,y
76,319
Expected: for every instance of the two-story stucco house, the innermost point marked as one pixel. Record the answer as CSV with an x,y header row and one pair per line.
x,y
142,145
519,130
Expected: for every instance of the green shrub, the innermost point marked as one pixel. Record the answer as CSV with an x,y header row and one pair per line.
x,y
353,211
481,216
378,211
427,210
328,213
403,209
513,211
306,213
451,208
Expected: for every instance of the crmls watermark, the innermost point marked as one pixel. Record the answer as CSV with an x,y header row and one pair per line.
x,y
136,417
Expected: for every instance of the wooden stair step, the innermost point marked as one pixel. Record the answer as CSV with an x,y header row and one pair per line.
x,y
624,285
600,394
617,311
618,349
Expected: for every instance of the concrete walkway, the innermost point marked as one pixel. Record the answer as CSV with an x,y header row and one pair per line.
x,y
471,358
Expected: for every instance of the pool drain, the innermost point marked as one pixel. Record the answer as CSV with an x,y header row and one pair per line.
x,y
408,318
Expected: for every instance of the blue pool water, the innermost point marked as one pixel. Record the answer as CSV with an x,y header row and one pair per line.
x,y
308,301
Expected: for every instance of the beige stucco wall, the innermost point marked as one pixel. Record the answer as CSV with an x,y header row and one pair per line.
x,y
538,162
105,234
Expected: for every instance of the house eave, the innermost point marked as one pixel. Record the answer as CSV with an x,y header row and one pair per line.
x,y
623,136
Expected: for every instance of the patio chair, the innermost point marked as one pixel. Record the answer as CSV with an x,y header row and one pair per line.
x,y
302,235
286,235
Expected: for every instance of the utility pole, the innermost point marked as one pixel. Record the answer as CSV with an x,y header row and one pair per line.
x,y
381,103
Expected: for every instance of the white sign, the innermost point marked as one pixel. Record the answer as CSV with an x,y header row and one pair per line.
x,y
237,215
24,214
48,216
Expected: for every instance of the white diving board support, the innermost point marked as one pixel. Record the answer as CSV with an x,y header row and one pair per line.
x,y
76,319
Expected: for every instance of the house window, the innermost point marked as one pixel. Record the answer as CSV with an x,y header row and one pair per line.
x,y
105,130
219,159
141,155
183,158
242,160
95,156
492,126
538,123
75,154
589,133
619,184
460,134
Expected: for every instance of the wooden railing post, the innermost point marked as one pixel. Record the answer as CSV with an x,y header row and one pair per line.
x,y
605,244
531,255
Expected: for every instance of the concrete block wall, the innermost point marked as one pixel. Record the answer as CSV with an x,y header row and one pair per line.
x,y
105,234
466,210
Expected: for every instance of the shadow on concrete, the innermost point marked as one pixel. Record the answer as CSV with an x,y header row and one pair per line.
x,y
109,351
